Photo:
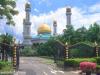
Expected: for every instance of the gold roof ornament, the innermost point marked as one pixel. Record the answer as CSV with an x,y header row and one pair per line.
x,y
44,28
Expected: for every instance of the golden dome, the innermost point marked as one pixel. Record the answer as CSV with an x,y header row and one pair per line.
x,y
44,28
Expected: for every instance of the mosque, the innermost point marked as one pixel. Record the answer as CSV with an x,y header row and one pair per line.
x,y
43,32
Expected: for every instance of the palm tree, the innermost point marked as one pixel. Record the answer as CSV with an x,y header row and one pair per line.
x,y
6,41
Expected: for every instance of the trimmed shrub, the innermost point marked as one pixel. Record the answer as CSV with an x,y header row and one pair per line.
x,y
87,66
98,67
4,64
98,60
76,61
98,70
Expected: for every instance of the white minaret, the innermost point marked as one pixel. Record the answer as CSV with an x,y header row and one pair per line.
x,y
27,26
68,14
54,28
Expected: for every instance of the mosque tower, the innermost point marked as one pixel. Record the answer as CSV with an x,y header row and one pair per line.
x,y
68,15
27,26
54,28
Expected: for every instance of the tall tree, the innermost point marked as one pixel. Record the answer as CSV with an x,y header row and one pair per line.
x,y
94,33
6,41
68,34
80,34
7,8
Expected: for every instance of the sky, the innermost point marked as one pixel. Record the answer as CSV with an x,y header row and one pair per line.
x,y
84,13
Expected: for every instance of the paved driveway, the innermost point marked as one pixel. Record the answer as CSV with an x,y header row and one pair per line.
x,y
40,66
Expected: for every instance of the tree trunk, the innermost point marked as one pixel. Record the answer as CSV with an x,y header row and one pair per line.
x,y
6,56
3,55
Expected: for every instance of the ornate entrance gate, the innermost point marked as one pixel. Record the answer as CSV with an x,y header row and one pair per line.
x,y
12,51
60,53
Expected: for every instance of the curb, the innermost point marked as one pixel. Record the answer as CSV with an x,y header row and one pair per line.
x,y
6,73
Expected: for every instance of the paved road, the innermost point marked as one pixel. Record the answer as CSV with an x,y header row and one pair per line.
x,y
39,66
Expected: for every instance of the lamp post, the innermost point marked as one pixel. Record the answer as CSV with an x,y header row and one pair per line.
x,y
96,45
66,51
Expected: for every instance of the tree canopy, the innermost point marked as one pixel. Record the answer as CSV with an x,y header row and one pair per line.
x,y
72,36
7,8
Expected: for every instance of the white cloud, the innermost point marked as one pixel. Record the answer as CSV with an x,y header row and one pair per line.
x,y
47,2
36,10
79,18
95,8
19,18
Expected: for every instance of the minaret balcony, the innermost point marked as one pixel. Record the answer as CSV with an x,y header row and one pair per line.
x,y
27,37
28,9
68,13
27,23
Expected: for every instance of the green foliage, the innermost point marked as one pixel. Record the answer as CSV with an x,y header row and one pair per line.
x,y
76,61
7,9
72,36
82,34
93,33
81,50
98,67
28,51
69,34
98,60
7,39
5,66
47,49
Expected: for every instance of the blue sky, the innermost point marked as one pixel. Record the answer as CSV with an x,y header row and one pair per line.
x,y
84,13
45,6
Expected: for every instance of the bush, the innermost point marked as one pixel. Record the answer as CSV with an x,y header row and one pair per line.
x,y
98,67
71,63
28,51
76,61
98,60
4,64
85,66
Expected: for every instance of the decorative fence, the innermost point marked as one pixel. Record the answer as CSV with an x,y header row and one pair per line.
x,y
11,51
74,51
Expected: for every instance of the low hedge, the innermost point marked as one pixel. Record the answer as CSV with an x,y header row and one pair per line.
x,y
98,67
76,61
97,60
5,66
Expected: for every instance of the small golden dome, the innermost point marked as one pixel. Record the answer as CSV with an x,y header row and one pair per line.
x,y
44,28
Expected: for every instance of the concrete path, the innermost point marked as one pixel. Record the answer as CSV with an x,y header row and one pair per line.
x,y
40,66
